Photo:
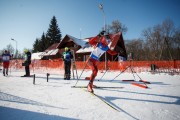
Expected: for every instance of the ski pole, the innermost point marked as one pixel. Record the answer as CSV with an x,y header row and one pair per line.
x,y
120,73
74,64
103,75
82,72
107,70
132,70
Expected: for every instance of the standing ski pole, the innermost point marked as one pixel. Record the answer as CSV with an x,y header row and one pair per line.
x,y
106,70
103,75
74,64
73,69
120,73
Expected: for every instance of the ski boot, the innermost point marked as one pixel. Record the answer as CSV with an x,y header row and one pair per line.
x,y
68,77
3,72
7,72
65,76
90,86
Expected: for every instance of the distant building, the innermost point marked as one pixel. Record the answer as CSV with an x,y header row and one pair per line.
x,y
51,52
36,56
73,43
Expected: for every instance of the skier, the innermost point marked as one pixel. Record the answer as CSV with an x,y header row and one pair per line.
x,y
67,56
100,44
6,58
27,62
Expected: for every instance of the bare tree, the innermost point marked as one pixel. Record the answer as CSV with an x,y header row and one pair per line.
x,y
135,46
159,40
176,44
115,27
10,48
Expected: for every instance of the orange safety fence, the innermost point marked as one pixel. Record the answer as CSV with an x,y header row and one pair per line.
x,y
138,66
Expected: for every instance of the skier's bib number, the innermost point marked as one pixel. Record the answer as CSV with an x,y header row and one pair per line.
x,y
6,58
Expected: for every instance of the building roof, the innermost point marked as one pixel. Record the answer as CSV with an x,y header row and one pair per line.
x,y
52,47
85,50
80,42
36,56
50,52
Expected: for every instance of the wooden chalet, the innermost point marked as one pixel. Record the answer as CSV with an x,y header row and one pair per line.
x,y
51,52
73,43
82,49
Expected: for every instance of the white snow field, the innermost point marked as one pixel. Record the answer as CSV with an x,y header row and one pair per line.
x,y
56,100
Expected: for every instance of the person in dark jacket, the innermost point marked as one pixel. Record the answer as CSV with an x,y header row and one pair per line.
x,y
27,62
67,56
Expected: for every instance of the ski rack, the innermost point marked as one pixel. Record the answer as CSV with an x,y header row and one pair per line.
x,y
133,83
74,65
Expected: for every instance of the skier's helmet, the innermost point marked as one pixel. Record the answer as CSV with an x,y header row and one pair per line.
x,y
66,49
26,50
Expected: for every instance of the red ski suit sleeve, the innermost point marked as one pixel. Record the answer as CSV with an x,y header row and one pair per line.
x,y
93,41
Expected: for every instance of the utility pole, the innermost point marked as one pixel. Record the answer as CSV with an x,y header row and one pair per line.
x,y
16,47
101,8
16,51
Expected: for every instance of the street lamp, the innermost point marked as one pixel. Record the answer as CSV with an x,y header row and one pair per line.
x,y
16,47
101,8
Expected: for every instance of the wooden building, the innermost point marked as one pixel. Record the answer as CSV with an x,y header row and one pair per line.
x,y
82,49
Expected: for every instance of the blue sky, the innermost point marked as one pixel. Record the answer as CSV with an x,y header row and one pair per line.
x,y
26,20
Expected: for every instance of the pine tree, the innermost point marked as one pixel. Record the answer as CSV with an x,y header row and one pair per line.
x,y
36,46
44,43
53,34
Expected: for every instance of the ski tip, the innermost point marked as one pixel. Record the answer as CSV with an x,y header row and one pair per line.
x,y
139,85
144,81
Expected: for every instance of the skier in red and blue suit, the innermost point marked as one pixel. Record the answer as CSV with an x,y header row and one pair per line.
x,y
100,44
6,58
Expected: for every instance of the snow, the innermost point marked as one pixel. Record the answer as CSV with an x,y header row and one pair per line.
x,y
55,100
84,50
36,56
81,42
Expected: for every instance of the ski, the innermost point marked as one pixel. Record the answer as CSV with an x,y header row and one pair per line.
x,y
104,101
94,87
144,81
28,76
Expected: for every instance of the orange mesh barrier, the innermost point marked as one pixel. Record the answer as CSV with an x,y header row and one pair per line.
x,y
139,66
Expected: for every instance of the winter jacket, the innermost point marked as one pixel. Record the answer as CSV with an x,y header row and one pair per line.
x,y
27,58
67,56
6,57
